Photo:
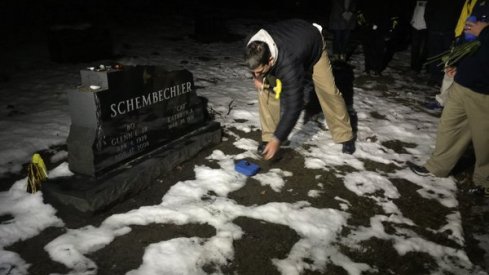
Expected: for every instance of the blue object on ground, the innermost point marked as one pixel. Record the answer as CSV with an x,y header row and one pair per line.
x,y
246,168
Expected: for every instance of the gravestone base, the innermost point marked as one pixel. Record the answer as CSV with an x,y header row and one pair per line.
x,y
92,194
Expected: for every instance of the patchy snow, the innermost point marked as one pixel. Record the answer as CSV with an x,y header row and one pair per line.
x,y
29,126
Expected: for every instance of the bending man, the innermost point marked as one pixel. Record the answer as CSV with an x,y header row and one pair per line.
x,y
283,56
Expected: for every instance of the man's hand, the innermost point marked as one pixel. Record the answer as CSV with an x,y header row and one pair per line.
x,y
475,28
450,71
258,83
271,149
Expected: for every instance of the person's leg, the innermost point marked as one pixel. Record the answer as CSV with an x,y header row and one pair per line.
x,y
423,48
453,134
367,54
380,56
388,50
337,36
331,100
311,102
415,50
478,114
437,43
343,44
367,47
269,114
345,41
418,49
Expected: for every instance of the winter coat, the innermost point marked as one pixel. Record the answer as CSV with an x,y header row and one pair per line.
x,y
473,70
377,14
300,46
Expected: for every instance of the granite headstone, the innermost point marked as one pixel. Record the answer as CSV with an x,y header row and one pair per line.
x,y
129,124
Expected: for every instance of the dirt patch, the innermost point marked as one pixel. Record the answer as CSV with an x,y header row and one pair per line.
x,y
110,261
260,238
398,146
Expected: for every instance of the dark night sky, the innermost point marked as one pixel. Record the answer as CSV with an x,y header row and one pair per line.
x,y
23,20
26,13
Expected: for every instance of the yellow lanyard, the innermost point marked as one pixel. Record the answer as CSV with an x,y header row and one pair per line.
x,y
466,11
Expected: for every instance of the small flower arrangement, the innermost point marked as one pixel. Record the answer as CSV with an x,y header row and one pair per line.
x,y
455,53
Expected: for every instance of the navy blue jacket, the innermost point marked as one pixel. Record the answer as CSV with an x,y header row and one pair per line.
x,y
300,45
473,70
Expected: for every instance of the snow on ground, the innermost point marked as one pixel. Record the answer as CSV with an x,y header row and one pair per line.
x,y
35,117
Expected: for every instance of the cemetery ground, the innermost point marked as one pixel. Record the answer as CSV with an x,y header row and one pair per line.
x,y
416,221
262,240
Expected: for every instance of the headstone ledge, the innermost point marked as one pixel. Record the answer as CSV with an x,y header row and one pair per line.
x,y
129,125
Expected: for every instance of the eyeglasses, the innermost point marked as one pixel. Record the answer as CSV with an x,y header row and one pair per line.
x,y
261,70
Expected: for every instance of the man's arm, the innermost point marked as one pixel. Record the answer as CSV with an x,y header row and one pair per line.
x,y
291,104
291,99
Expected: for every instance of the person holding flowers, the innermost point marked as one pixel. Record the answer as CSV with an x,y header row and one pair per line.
x,y
465,117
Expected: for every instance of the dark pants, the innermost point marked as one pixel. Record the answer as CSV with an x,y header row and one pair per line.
x,y
340,41
374,50
437,43
419,39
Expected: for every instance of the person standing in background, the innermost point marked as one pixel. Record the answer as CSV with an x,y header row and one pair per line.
x,y
419,35
342,21
379,33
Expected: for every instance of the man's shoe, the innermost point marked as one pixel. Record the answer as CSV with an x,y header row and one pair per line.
x,y
349,147
261,147
420,170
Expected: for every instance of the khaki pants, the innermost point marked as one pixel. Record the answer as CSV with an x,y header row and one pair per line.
x,y
465,118
329,96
